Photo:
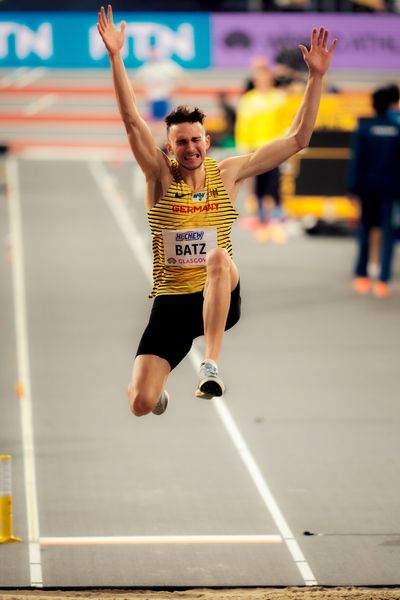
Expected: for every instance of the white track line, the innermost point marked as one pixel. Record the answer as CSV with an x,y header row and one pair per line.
x,y
18,273
30,76
10,78
75,153
40,104
133,236
160,539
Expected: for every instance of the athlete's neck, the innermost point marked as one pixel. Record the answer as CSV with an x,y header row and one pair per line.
x,y
194,178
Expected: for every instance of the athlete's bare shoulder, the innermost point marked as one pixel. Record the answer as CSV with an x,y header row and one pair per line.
x,y
229,169
159,180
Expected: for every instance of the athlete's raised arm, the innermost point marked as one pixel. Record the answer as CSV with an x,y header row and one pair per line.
x,y
144,148
271,155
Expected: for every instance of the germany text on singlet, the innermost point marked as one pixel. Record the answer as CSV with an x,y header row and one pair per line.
x,y
185,226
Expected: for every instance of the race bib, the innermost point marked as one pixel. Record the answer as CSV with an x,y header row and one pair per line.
x,y
188,247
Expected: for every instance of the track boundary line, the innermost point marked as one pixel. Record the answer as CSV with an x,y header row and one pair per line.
x,y
113,196
23,366
142,540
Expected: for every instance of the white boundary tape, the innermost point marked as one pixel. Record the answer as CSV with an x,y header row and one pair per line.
x,y
160,539
18,273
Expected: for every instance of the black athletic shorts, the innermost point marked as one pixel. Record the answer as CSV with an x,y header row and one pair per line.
x,y
176,320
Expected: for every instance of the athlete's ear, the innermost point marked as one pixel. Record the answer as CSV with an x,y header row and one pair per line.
x,y
169,148
208,141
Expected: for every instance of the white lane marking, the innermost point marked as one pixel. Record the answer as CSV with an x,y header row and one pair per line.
x,y
259,480
115,201
40,104
161,539
13,76
75,153
30,76
20,316
135,240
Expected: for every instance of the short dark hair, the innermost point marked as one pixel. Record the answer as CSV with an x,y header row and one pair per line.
x,y
184,114
381,100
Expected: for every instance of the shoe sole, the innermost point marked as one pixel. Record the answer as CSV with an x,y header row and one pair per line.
x,y
210,388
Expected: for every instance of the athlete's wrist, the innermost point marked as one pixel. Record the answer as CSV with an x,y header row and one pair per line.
x,y
114,55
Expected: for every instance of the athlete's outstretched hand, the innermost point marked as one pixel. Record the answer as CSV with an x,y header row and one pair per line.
x,y
111,36
319,56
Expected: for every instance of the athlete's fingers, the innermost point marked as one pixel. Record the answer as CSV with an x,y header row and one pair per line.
x,y
304,51
332,46
313,36
122,28
320,36
100,25
325,38
110,15
102,17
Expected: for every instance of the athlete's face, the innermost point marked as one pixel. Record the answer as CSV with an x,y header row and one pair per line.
x,y
189,143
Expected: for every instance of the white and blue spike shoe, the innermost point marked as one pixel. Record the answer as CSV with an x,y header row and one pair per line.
x,y
210,385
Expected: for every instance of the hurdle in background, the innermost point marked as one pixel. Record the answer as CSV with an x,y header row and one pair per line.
x,y
6,524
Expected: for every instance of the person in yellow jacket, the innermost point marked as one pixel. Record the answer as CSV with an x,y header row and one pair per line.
x,y
190,209
261,118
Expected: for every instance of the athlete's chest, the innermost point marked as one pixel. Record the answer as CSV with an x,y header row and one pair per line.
x,y
182,206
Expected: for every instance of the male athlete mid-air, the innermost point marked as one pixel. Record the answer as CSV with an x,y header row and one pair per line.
x,y
190,206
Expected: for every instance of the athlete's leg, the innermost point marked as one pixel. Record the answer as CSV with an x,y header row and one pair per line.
x,y
149,376
222,278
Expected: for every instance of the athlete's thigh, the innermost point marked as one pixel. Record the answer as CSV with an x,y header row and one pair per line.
x,y
150,373
169,333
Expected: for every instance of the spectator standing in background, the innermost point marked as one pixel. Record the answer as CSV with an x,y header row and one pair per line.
x,y
374,182
160,76
226,138
261,119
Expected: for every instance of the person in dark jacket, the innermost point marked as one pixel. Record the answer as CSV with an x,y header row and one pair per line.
x,y
374,181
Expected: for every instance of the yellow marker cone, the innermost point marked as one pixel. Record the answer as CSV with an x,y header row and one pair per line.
x,y
6,528
19,390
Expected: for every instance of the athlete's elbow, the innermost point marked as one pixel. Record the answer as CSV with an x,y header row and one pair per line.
x,y
302,140
130,123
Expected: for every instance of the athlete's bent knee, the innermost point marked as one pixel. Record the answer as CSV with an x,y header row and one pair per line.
x,y
140,403
218,261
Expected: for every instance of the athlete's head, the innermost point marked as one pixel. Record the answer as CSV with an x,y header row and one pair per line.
x,y
186,136
184,114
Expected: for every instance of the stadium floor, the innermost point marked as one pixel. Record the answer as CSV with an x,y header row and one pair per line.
x,y
211,494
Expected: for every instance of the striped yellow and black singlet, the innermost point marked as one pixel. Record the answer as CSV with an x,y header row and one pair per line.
x,y
178,210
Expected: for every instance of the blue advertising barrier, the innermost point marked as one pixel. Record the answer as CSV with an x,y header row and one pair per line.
x,y
65,40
